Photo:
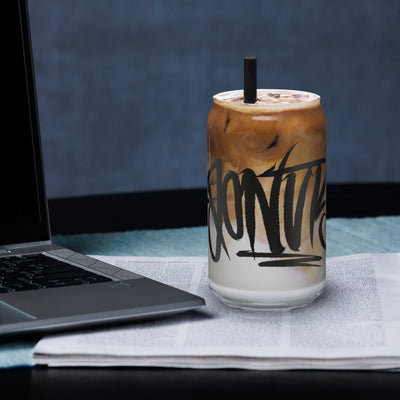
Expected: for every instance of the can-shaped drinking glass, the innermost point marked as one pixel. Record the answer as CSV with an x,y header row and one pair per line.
x,y
266,199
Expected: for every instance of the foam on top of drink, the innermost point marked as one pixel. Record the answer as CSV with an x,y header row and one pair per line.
x,y
269,99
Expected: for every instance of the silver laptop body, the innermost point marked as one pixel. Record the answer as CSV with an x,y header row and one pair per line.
x,y
25,233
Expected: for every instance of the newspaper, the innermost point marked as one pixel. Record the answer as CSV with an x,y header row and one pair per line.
x,y
354,324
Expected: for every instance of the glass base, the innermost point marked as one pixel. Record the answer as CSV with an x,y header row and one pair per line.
x,y
266,300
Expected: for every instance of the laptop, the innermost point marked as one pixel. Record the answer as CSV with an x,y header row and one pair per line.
x,y
44,287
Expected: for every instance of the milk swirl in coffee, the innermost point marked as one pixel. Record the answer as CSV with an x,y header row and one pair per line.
x,y
267,198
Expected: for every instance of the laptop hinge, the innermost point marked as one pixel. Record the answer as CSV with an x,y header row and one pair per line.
x,y
9,247
3,250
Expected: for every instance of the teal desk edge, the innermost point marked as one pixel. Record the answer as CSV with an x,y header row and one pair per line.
x,y
344,236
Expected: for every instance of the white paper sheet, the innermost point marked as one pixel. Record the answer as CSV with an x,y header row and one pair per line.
x,y
354,324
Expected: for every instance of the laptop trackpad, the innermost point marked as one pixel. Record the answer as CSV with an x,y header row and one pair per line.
x,y
11,315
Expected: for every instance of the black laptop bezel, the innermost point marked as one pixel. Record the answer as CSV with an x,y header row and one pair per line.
x,y
38,229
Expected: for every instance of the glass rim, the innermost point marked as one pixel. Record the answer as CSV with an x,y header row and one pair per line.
x,y
234,99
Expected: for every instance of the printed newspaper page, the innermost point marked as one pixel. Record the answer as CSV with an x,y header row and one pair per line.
x,y
354,324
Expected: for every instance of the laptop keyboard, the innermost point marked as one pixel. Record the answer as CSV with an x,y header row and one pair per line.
x,y
38,271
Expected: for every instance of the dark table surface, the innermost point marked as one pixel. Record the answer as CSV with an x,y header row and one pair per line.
x,y
179,208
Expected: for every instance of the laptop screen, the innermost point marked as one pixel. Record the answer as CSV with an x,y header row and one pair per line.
x,y
23,216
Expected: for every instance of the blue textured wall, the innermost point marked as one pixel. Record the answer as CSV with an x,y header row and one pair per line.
x,y
125,86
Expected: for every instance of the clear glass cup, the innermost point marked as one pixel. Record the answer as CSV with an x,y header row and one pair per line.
x,y
266,199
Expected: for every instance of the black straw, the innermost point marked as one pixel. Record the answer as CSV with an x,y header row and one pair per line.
x,y
250,79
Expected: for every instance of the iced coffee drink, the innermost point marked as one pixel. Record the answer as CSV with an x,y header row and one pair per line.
x,y
267,198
